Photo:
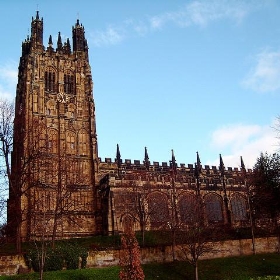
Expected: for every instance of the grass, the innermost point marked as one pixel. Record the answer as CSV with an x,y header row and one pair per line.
x,y
234,268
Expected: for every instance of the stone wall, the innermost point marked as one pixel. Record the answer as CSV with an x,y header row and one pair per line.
x,y
10,265
164,254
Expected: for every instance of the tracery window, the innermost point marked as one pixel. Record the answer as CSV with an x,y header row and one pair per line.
x,y
238,208
213,205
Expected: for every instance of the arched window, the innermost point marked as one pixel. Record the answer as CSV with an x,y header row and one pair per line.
x,y
213,205
188,207
238,208
158,210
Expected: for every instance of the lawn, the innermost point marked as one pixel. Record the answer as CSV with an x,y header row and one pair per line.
x,y
234,268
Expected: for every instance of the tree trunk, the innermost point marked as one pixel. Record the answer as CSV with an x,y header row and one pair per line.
x,y
142,229
173,244
42,262
54,229
143,236
196,271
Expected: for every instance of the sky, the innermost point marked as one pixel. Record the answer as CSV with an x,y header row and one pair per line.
x,y
188,75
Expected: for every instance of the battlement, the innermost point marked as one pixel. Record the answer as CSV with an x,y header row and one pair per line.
x,y
164,166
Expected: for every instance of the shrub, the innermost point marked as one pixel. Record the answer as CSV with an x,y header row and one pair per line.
x,y
72,254
64,255
53,260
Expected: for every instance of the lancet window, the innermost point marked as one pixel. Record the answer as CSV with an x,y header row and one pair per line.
x,y
69,83
50,82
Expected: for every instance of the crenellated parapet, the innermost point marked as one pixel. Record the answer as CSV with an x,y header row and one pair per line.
x,y
210,177
128,165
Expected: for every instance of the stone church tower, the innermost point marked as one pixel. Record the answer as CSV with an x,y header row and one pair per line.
x,y
55,158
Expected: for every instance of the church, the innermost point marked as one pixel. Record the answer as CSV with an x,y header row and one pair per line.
x,y
61,188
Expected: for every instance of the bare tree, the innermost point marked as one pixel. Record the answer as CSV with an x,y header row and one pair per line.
x,y
6,137
141,208
57,196
55,201
196,236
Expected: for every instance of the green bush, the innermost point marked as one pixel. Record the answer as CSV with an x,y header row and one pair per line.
x,y
53,260
72,254
64,255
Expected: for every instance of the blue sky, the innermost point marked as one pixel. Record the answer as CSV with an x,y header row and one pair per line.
x,y
185,75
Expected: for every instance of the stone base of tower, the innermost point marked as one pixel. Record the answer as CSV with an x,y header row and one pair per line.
x,y
77,225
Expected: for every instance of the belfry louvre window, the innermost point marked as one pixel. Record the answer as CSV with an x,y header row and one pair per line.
x,y
50,81
68,84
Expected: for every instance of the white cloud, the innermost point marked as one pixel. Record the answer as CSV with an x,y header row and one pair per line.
x,y
197,12
248,141
265,75
234,135
203,12
158,21
111,36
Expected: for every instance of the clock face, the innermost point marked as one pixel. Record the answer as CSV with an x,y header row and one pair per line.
x,y
62,97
